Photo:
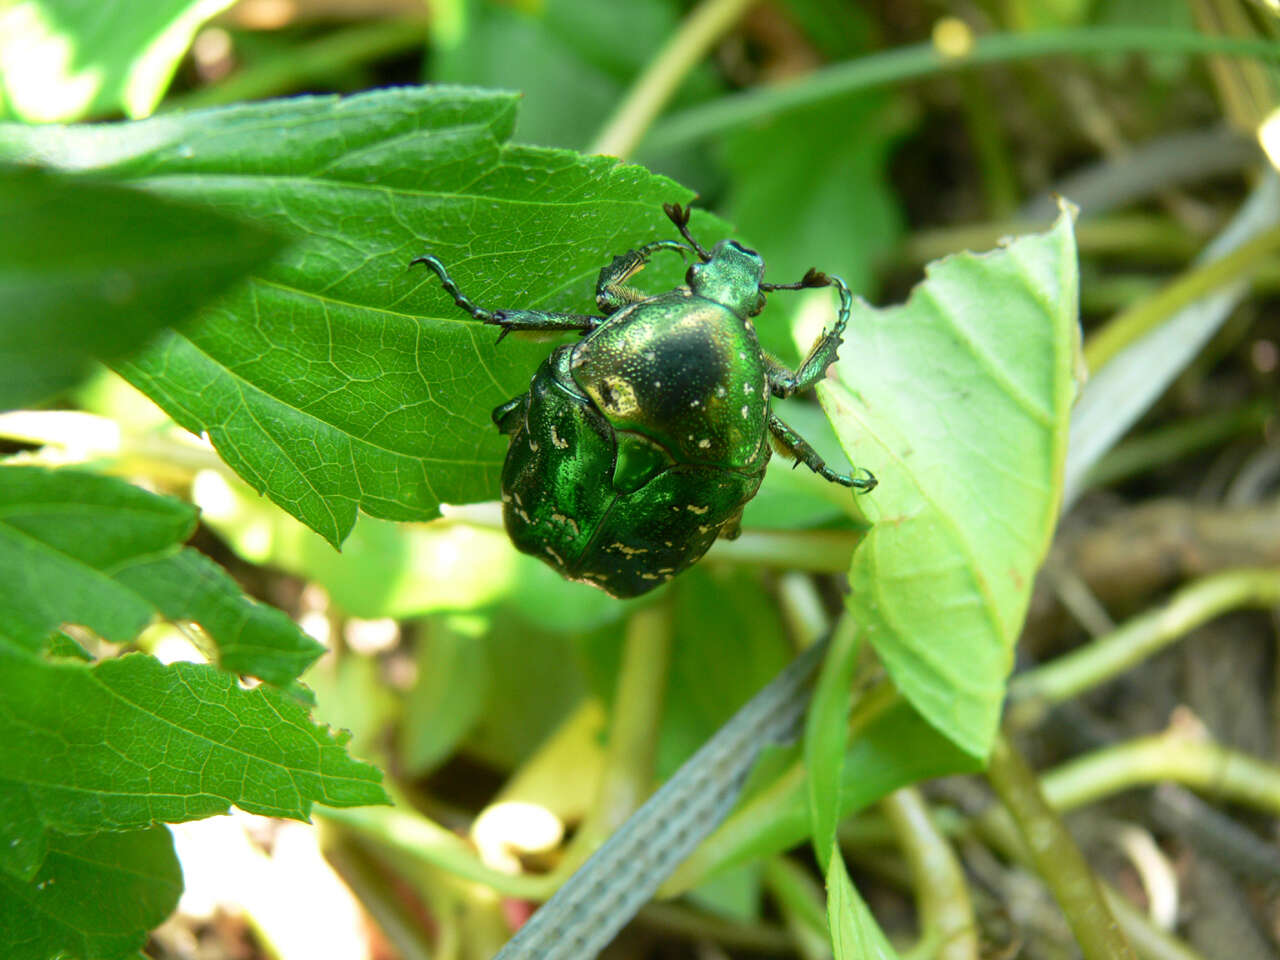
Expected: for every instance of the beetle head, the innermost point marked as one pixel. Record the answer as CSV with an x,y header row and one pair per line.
x,y
730,277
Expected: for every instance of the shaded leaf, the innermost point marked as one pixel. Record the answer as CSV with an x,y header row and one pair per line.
x,y
855,935
94,897
93,550
92,271
129,743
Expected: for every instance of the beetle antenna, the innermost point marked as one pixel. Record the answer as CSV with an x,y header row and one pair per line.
x,y
680,217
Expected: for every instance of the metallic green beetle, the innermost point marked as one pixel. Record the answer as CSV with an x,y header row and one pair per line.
x,y
639,444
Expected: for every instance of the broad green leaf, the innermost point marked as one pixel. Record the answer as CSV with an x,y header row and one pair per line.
x,y
94,897
826,730
94,550
339,379
91,270
65,59
855,935
958,402
129,743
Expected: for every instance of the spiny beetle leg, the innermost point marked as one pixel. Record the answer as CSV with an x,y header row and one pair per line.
x,y
822,354
611,291
508,320
799,449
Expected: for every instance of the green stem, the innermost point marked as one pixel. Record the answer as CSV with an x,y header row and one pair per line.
x,y
1100,660
1056,857
1150,941
1133,324
699,32
946,912
1205,766
309,63
922,60
422,841
815,551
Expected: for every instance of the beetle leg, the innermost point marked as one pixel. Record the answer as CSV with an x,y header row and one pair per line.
x,y
508,320
822,354
507,416
611,290
798,448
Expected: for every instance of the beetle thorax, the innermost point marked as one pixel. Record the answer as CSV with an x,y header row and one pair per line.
x,y
731,278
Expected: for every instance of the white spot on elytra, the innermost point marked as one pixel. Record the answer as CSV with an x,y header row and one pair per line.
x,y
694,508
558,443
704,443
746,411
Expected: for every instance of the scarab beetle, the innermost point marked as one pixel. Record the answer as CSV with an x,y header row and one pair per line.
x,y
639,445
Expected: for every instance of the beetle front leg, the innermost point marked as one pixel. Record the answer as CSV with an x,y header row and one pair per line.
x,y
508,320
822,354
611,291
507,416
798,448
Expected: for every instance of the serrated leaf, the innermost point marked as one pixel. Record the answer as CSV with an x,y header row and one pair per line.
x,y
94,897
92,271
339,379
958,402
129,743
81,548
65,60
855,935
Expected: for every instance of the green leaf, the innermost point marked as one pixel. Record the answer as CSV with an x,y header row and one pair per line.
x,y
90,270
958,402
855,935
148,743
825,734
65,59
88,549
94,896
339,379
